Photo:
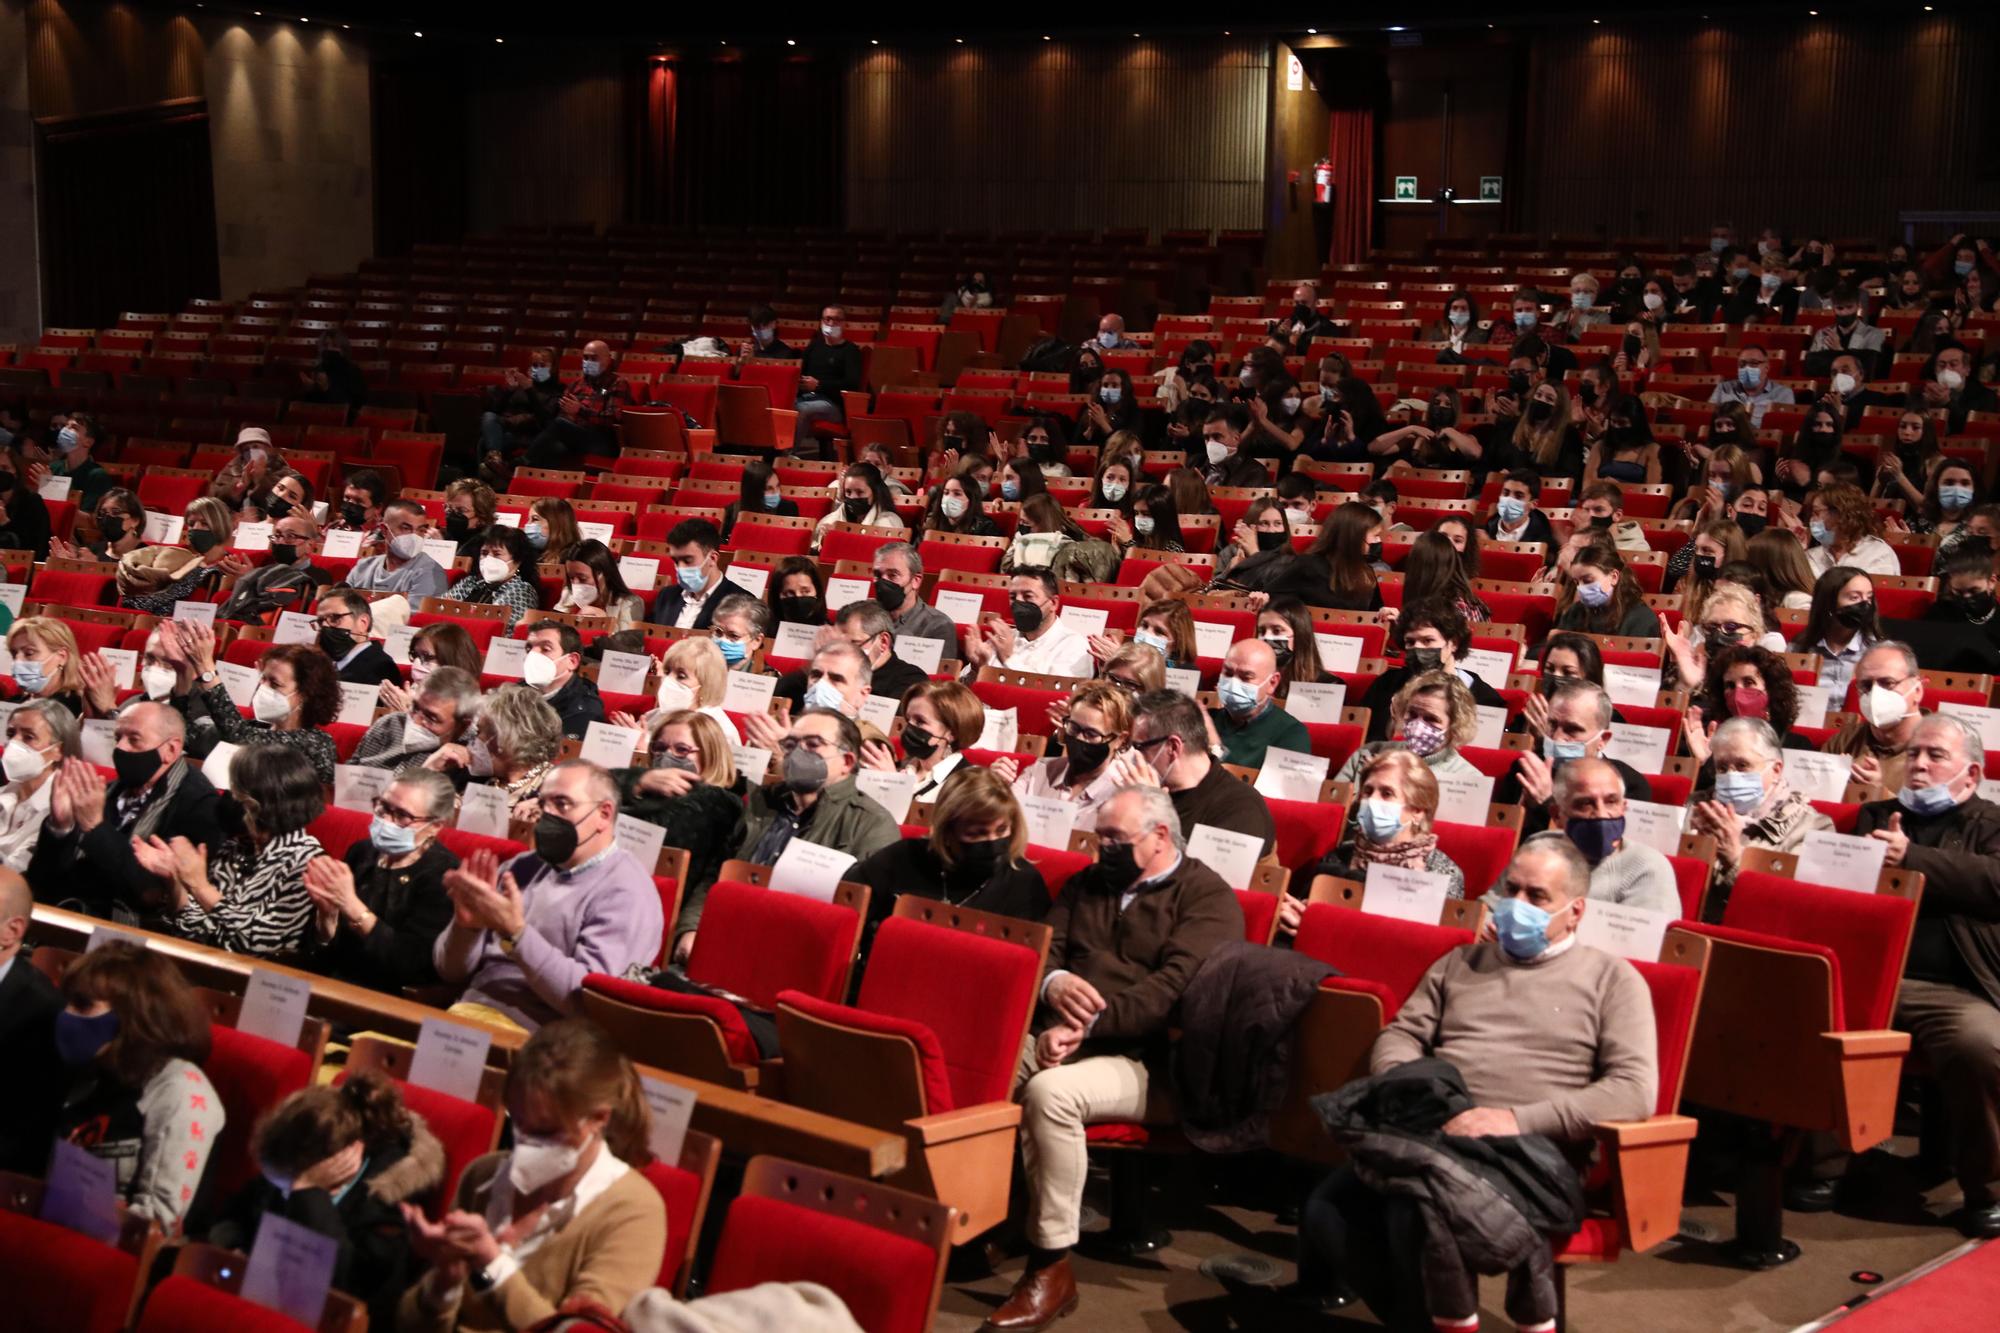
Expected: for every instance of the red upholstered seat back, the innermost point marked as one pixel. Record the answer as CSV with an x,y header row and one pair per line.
x,y
1378,948
735,1032
339,829
1691,880
884,1280
183,1305
1675,990
755,942
933,1067
1031,706
75,587
1260,910
1868,933
251,1075
972,991
481,628
462,844
60,1281
1307,831
1334,742
1481,852
1057,867
681,1191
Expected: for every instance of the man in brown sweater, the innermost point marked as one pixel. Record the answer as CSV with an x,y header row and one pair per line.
x,y
1129,934
1889,690
1551,1037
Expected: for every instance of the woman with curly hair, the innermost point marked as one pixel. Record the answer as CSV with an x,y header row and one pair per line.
x,y
1845,531
1744,680
1431,716
297,695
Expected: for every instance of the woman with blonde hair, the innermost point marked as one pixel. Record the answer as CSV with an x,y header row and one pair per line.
x,y
47,663
1095,731
1716,543
1134,669
691,789
561,1218
1431,716
469,507
169,576
941,720
513,743
973,856
1395,810
1727,473
694,675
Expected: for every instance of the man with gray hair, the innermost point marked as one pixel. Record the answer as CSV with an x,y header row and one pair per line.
x,y
898,572
1949,1003
441,708
1129,934
1588,808
1551,1037
1578,727
865,629
1889,696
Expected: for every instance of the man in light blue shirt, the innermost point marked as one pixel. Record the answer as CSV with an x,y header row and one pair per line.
x,y
1752,386
403,567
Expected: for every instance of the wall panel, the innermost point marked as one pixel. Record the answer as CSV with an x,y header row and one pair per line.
x,y
545,140
1054,136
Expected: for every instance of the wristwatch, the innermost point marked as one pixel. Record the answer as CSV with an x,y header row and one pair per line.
x,y
209,677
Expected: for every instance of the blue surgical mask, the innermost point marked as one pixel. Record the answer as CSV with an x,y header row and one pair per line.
x,y
1717,244
772,499
1740,272
1954,497
1932,800
1594,595
1010,490
1750,376
1511,510
1580,300
66,438
539,374
1722,489
1239,697
1154,641
1821,533
1557,752
1961,267
1525,319
1379,820
1521,927
732,650
31,676
1111,393
390,838
691,577
537,535
590,367
1741,792
824,695
79,1039
1595,837
1459,318
1772,281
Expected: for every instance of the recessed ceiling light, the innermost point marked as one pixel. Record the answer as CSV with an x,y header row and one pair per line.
x,y
499,41
790,42
1313,30
419,34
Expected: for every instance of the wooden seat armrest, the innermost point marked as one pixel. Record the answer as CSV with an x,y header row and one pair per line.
x,y
1863,1045
967,1122
1649,1170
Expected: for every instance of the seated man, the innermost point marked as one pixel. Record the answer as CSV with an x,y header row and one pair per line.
x,y
84,856
586,420
1129,934
898,572
519,408
868,629
1517,516
689,602
1589,809
287,581
401,565
360,506
1888,693
1222,439
1037,641
525,935
1578,727
1950,999
29,1004
552,665
1551,1038
1170,750
442,706
344,626
1250,721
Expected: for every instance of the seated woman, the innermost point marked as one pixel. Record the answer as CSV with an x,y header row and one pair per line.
x,y
796,594
1600,596
1096,732
1287,627
1744,680
595,592
693,675
864,499
1731,615
1338,570
24,514
207,529
692,790
47,664
1748,803
1431,636
121,524
1111,487
342,1161
758,496
440,709
1565,656
40,735
378,911
1395,806
469,507
1777,555
1431,716
1155,524
1135,669
957,505
580,1224
941,719
504,575
1841,625
133,1037
972,857
551,529
433,646
1846,531
1433,569
247,894
1259,549
1046,534
513,743
1020,480
297,696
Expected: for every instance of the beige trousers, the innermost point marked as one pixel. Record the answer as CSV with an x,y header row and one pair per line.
x,y
1056,1104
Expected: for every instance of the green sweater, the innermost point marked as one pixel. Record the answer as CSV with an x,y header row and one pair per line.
x,y
1246,742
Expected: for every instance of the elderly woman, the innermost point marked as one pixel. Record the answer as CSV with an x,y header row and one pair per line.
x,y
47,664
1395,809
973,856
1730,616
40,735
378,911
1135,669
941,718
690,788
513,743
1431,716
1749,804
503,576
248,895
440,708
297,695
1096,732
694,675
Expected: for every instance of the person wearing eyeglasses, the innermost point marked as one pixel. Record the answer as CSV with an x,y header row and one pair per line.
x,y
345,623
940,719
1170,740
438,713
1095,733
378,910
817,799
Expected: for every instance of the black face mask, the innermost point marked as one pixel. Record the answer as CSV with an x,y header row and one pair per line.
x,y
1623,437
1548,685
284,553
1272,541
277,506
1119,865
1517,383
335,642
1440,417
1539,411
1705,566
1847,322
555,840
918,744
1976,605
200,541
353,515
1722,437
1632,346
1027,616
855,510
1598,522
978,860
135,767
1856,615
6,482
889,596
456,525
1586,393
1423,659
1374,552
1752,524
801,610
1086,756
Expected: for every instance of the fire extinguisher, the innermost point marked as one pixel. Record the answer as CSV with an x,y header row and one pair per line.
x,y
1323,181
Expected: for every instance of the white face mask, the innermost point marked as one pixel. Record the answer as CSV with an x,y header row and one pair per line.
x,y
1142,524
673,696
21,761
537,1161
1217,452
1654,300
493,569
478,759
952,505
1950,378
269,705
538,669
1843,384
829,331
158,681
418,738
583,594
1884,708
1114,491
406,547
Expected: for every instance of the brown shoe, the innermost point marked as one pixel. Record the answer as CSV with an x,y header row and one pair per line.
x,y
1039,1299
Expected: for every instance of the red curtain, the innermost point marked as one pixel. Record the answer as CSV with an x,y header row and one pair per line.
x,y
652,161
1351,148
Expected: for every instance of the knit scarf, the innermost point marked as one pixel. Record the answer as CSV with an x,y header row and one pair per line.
x,y
1410,854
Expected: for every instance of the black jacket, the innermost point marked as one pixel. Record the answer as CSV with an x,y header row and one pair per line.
x,y
667,606
910,866
1234,1056
24,526
29,1004
1957,935
97,868
371,666
578,704
411,911
837,367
